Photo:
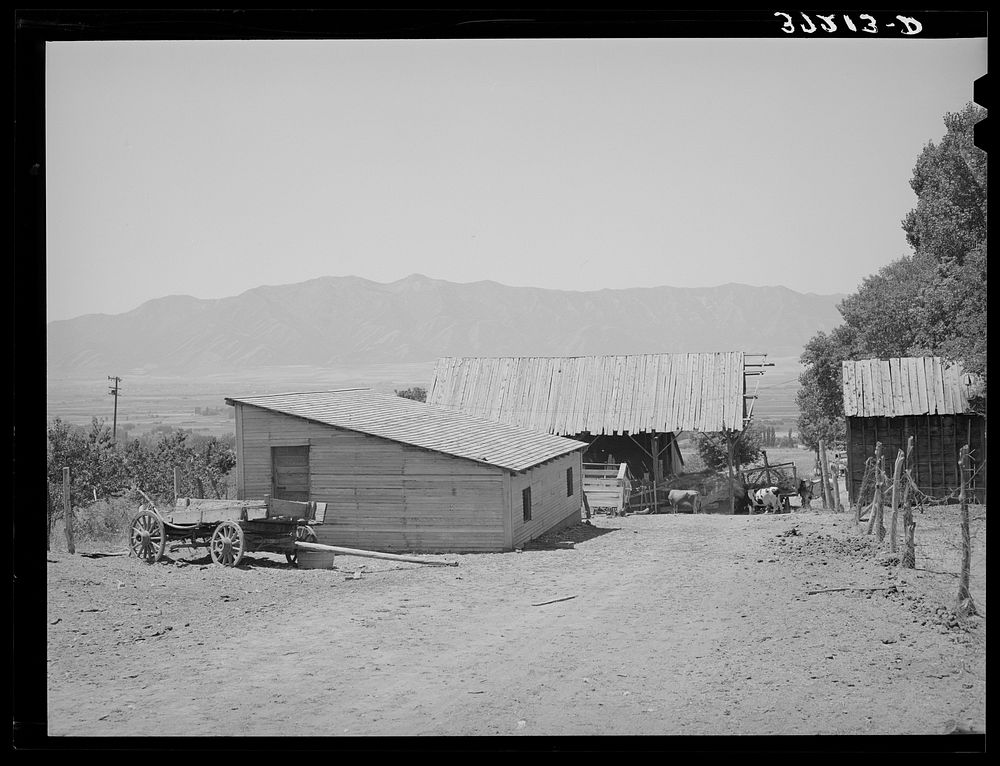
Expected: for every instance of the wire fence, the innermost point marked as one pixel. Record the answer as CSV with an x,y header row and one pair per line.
x,y
918,498
904,495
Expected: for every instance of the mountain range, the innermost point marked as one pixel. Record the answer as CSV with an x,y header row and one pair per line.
x,y
349,320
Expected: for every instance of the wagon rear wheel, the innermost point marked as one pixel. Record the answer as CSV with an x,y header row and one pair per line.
x,y
228,544
146,536
304,534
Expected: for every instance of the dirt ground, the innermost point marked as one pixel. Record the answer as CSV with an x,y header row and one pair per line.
x,y
647,625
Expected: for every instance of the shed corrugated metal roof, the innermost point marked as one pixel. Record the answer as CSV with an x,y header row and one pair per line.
x,y
420,425
904,386
597,394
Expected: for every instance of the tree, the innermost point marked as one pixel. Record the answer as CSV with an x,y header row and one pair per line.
x,y
212,463
820,395
95,467
712,450
416,393
930,303
948,229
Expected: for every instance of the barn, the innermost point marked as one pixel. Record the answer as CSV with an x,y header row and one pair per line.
x,y
627,408
400,475
890,400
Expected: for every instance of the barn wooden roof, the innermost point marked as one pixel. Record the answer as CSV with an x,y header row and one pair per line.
x,y
421,425
597,394
904,386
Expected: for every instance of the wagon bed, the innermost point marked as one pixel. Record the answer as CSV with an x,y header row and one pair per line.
x,y
228,528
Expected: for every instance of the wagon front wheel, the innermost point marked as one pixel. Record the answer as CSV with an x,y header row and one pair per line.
x,y
146,536
228,544
303,534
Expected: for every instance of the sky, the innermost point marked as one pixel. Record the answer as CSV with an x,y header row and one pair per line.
x,y
208,168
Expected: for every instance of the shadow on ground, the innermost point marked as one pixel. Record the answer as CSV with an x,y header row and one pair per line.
x,y
568,537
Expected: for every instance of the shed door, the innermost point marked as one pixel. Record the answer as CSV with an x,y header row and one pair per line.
x,y
290,473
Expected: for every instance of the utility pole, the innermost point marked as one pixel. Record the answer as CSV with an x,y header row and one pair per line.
x,y
113,391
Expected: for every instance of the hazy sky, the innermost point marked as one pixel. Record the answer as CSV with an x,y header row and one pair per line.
x,y
208,168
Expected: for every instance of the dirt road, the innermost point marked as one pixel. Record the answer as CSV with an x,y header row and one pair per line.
x,y
669,625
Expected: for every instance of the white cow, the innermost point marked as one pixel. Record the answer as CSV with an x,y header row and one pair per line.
x,y
678,497
768,499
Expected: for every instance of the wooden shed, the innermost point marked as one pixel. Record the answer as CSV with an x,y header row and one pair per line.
x,y
889,400
627,407
401,475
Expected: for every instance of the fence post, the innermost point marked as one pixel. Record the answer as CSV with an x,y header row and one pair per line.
x,y
880,479
68,512
965,604
49,511
836,489
897,471
176,485
876,465
824,475
909,559
869,472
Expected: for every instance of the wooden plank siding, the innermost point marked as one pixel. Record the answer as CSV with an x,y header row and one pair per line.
x,y
380,494
601,395
389,496
937,440
908,386
889,400
551,508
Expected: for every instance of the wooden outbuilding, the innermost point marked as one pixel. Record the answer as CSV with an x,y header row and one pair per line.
x,y
890,400
401,475
628,408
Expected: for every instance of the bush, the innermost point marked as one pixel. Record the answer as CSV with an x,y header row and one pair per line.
x,y
416,393
712,450
105,476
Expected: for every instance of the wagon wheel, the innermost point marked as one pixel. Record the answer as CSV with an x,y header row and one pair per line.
x,y
228,544
304,534
146,537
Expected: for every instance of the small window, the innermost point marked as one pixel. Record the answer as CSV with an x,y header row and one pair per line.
x,y
526,503
569,482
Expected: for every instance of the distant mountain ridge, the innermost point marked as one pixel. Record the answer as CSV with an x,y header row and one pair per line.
x,y
350,320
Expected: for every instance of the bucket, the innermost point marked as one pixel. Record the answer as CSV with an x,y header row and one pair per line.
x,y
314,559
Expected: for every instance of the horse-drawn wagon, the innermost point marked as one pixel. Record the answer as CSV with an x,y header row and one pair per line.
x,y
228,528
784,476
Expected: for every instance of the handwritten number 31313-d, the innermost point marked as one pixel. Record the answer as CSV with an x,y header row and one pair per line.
x,y
907,25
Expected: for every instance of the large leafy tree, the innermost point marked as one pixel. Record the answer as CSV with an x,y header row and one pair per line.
x,y
947,230
929,303
820,398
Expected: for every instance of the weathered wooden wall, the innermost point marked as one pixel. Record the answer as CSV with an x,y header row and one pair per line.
x,y
387,496
637,393
551,507
380,494
936,443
